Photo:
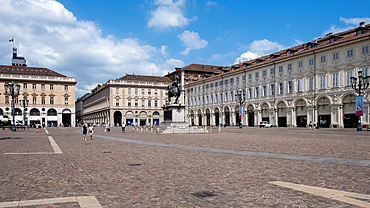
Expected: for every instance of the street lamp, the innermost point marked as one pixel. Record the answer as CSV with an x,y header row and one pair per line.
x,y
359,86
14,92
24,103
240,96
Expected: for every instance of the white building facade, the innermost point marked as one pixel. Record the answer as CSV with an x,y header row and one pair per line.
x,y
289,88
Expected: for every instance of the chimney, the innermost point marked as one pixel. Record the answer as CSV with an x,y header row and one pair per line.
x,y
362,24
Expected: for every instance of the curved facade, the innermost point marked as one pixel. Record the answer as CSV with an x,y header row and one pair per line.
x,y
289,88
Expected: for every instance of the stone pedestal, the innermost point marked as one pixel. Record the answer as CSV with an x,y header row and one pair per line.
x,y
174,113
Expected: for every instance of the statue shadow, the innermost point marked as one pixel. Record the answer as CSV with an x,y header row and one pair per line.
x,y
5,138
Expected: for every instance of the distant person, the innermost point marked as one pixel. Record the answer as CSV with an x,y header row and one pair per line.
x,y
84,131
123,127
91,131
37,128
310,125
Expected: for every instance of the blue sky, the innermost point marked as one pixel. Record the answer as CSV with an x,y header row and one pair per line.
x,y
94,40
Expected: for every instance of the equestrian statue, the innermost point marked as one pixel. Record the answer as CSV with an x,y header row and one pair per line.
x,y
174,90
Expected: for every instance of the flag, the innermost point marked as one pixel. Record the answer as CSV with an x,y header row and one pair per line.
x,y
12,40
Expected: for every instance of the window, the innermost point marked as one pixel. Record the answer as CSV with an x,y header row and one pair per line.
x,y
250,93
142,103
335,80
136,92
34,86
323,59
281,69
155,91
42,87
300,64
24,85
349,75
237,79
65,87
66,101
203,100
365,49
43,100
207,100
117,102
264,91
149,92
232,96
211,85
128,90
216,98
7,99
365,72
243,77
332,40
155,103
309,46
250,76
272,71
216,84
359,32
289,66
264,73
322,82
16,100
231,80
211,99
257,92
129,103
335,56
226,81
290,87
149,103
350,53
226,98
310,62
300,85
272,89
142,91
221,82
281,88
310,83
51,87
256,75
136,103
34,100
51,100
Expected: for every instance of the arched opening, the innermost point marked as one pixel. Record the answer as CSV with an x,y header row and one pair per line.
x,y
1,112
192,118
217,117
323,112
129,118
208,115
265,112
250,109
281,111
117,118
227,116
52,117
143,118
349,111
156,118
301,112
200,118
17,112
66,117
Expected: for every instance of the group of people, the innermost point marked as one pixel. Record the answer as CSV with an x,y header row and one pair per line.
x,y
312,125
86,128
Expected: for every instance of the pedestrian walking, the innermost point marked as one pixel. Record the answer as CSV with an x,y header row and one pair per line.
x,y
84,131
314,125
310,125
123,127
37,128
91,131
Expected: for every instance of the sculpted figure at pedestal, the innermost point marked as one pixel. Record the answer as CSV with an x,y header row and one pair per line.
x,y
174,90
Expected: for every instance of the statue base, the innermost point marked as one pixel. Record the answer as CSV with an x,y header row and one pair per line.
x,y
174,121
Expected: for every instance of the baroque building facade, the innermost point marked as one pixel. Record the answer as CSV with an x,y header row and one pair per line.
x,y
131,99
289,88
50,95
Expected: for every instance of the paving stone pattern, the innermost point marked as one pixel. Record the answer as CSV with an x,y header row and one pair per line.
x,y
232,164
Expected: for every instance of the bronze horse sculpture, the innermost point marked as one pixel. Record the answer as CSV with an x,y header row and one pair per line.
x,y
174,90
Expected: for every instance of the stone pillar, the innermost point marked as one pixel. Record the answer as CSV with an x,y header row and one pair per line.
x,y
182,87
289,118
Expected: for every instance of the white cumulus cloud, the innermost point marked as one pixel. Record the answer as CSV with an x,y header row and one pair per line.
x,y
259,48
352,22
47,33
168,14
191,40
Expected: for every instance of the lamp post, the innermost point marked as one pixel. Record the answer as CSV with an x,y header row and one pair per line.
x,y
359,86
12,89
24,104
240,96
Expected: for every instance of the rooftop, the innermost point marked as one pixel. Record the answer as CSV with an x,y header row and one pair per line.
x,y
25,70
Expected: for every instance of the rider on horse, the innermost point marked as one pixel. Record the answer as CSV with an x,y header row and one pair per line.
x,y
174,89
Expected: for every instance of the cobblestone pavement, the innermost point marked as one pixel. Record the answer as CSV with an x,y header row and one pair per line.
x,y
148,170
